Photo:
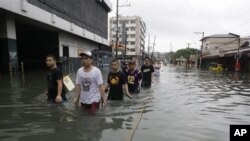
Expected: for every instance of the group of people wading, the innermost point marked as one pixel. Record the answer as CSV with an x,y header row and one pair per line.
x,y
90,88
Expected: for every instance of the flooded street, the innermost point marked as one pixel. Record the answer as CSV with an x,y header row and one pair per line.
x,y
180,106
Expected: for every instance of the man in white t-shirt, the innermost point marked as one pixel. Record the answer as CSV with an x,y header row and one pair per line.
x,y
157,67
89,85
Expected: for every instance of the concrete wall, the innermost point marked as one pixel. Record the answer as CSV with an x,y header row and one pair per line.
x,y
30,10
75,44
88,14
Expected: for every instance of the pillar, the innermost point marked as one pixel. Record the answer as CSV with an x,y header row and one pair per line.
x,y
8,44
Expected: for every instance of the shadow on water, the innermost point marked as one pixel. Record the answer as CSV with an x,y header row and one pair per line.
x,y
183,105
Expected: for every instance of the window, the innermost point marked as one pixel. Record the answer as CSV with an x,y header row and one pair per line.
x,y
132,43
65,51
132,28
132,21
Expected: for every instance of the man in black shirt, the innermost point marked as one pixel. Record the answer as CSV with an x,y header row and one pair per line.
x,y
147,73
116,82
56,92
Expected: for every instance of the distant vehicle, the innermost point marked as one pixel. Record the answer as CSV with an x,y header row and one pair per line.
x,y
215,67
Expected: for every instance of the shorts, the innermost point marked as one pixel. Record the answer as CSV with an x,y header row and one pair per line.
x,y
91,108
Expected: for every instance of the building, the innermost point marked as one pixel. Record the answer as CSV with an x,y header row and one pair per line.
x,y
31,29
225,49
131,32
213,45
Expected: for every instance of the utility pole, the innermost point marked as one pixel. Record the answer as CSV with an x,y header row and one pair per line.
x,y
117,11
153,48
201,47
237,64
126,44
188,57
116,41
148,43
171,47
188,44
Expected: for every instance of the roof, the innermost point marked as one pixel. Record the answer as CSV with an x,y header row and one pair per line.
x,y
229,35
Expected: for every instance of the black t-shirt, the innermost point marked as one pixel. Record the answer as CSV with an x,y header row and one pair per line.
x,y
147,70
52,77
124,66
115,81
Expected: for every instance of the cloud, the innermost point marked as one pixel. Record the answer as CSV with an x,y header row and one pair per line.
x,y
175,21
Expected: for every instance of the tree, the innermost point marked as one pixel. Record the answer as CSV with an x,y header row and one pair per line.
x,y
186,52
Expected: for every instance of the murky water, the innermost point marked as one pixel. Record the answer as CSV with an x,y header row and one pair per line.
x,y
181,106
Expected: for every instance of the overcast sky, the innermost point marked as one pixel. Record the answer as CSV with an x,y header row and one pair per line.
x,y
175,21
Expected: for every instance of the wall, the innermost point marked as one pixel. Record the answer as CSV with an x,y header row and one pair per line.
x,y
88,14
75,44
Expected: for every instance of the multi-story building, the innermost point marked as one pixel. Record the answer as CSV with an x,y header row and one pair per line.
x,y
30,29
132,30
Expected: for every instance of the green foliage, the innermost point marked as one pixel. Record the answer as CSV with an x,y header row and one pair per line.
x,y
185,53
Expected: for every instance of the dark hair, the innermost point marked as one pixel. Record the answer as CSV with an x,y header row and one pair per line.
x,y
52,56
115,61
131,62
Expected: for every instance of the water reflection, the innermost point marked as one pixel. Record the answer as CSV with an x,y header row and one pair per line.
x,y
183,105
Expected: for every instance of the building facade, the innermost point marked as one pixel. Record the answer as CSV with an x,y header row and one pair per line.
x,y
131,32
31,29
226,49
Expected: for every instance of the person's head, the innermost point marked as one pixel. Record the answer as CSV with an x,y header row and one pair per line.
x,y
86,58
131,65
147,61
50,61
115,65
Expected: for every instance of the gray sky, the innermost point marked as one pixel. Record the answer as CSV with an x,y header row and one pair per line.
x,y
175,21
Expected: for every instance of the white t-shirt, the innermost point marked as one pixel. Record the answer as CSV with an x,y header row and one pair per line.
x,y
157,69
89,84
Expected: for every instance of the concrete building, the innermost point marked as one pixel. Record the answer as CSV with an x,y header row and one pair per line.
x,y
31,29
224,49
131,29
